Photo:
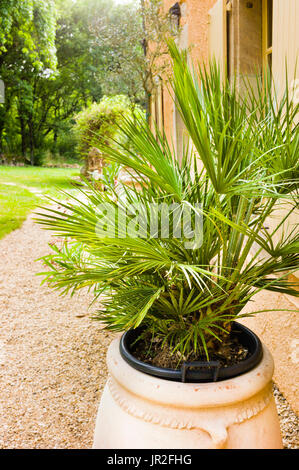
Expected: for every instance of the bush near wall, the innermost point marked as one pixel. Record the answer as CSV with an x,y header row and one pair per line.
x,y
100,121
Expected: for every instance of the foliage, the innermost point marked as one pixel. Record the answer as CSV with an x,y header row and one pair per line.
x,y
101,121
29,25
134,38
78,81
59,56
27,52
247,148
51,68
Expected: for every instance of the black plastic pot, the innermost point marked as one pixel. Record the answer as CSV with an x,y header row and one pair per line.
x,y
198,371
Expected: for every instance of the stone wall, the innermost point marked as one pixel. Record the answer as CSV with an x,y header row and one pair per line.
x,y
279,330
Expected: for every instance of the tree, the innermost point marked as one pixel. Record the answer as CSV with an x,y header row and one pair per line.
x,y
41,95
27,51
60,56
29,25
134,37
77,82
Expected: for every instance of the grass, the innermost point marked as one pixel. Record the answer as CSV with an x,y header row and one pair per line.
x,y
18,198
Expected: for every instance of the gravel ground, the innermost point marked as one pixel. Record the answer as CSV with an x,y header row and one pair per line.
x,y
52,356
289,421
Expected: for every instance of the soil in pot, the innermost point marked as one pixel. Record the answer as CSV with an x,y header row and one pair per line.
x,y
151,351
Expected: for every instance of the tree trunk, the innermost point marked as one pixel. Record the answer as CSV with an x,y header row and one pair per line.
x,y
2,124
31,142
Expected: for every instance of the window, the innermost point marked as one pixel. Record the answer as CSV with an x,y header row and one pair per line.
x,y
175,16
267,34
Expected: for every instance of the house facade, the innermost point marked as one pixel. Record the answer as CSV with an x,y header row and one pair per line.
x,y
245,37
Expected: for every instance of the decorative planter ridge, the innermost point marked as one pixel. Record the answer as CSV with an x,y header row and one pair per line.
x,y
141,411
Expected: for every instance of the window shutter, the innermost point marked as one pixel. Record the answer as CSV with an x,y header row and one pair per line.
x,y
218,35
285,43
285,51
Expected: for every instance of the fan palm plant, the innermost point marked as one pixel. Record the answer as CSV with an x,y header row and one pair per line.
x,y
241,161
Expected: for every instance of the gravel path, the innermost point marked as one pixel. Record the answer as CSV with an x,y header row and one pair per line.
x,y
289,421
52,356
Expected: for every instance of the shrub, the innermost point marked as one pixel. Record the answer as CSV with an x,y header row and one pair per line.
x,y
100,121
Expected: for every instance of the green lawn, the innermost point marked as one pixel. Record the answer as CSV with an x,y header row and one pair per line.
x,y
16,201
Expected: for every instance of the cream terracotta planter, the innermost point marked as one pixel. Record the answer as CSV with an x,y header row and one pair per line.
x,y
140,411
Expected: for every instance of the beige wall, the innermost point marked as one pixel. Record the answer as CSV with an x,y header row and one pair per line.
x,y
285,40
279,330
217,35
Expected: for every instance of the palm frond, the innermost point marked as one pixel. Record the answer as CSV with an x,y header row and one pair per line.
x,y
241,162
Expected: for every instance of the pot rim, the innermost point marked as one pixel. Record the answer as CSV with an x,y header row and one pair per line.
x,y
206,371
188,395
